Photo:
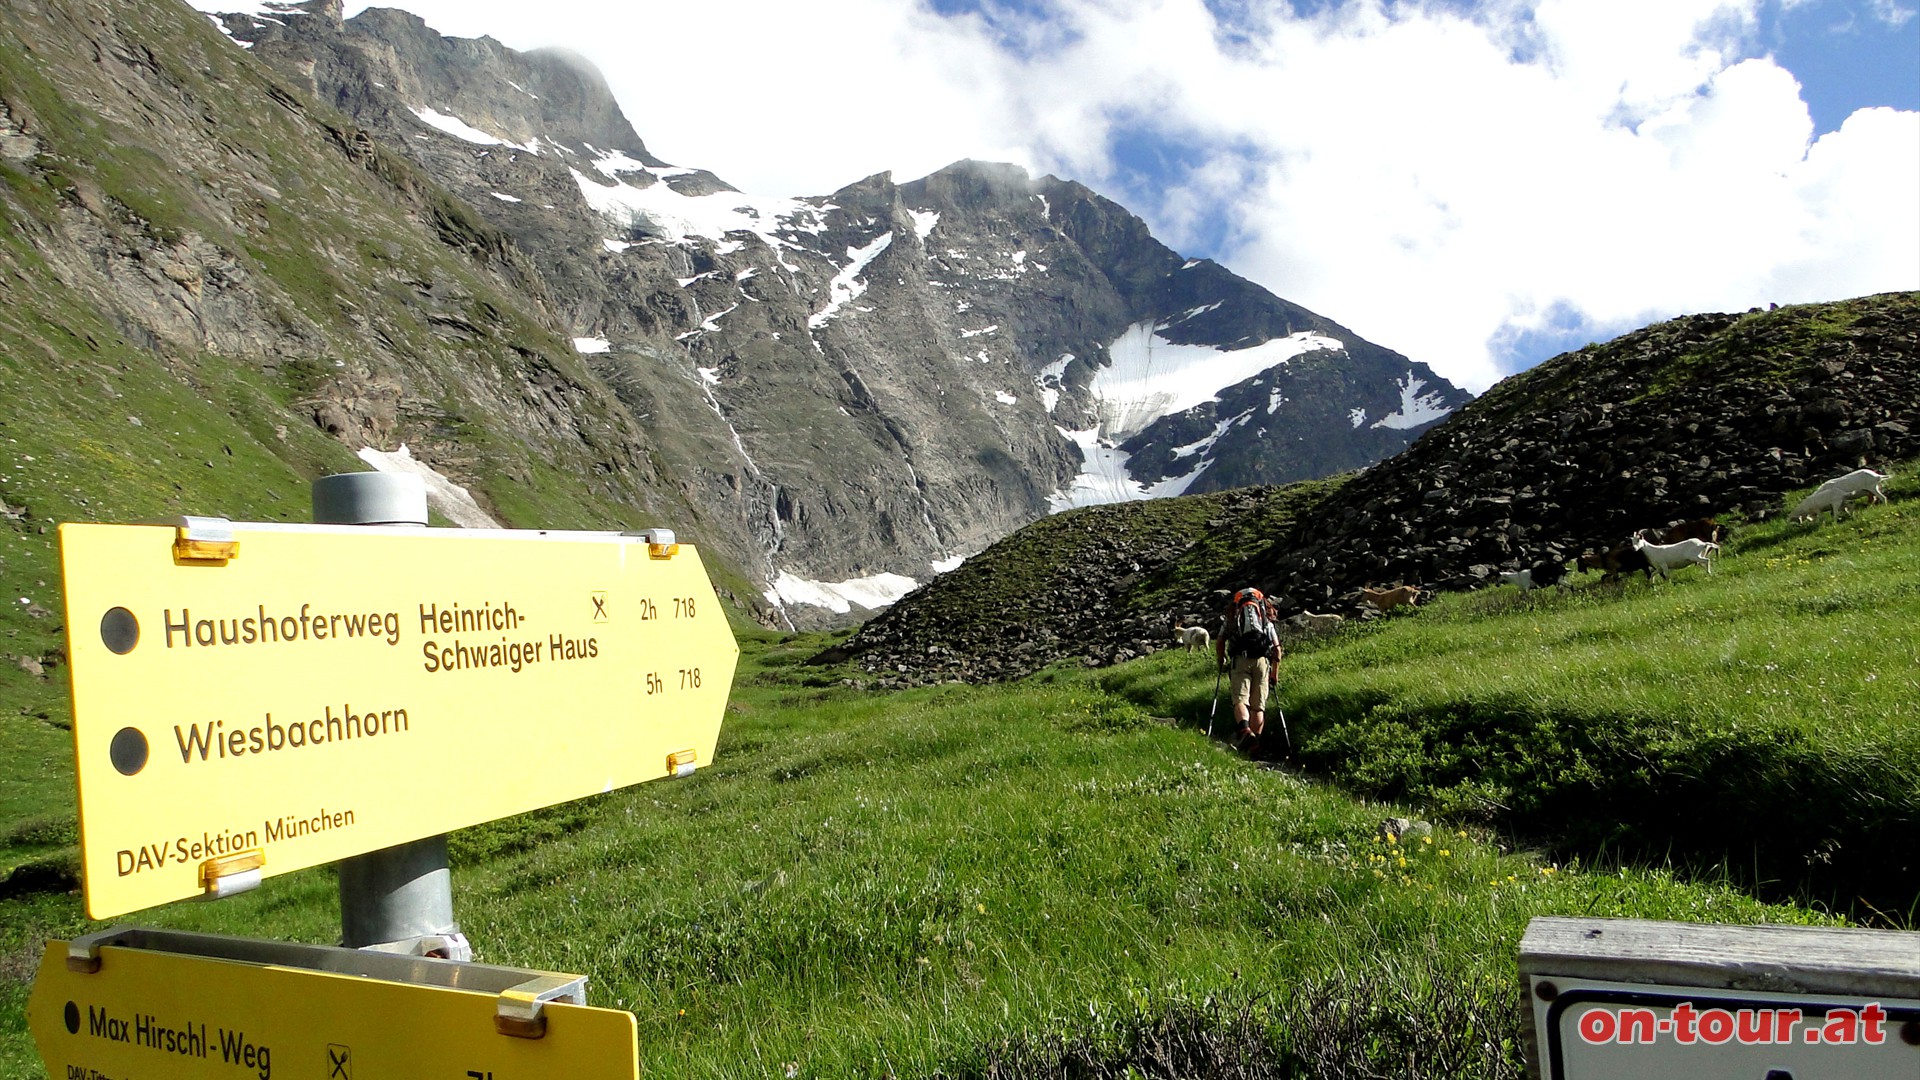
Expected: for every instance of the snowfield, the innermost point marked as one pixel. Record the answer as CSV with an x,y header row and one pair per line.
x,y
871,593
1415,408
1150,377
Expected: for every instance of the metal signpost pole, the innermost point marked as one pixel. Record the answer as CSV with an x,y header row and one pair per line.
x,y
399,899
340,744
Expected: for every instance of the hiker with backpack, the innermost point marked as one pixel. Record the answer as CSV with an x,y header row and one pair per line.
x,y
1248,648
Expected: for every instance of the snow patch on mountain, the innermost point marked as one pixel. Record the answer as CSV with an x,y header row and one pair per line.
x,y
840,597
1013,268
1203,445
847,285
452,501
1177,485
1104,477
612,163
590,345
1192,313
1103,474
658,209
1415,408
1050,379
1150,377
262,11
460,129
709,325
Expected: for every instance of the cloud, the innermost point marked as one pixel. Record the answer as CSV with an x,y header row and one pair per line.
x,y
1470,184
778,98
1892,13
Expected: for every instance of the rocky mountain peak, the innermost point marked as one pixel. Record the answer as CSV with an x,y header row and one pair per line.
x,y
976,184
942,342
838,396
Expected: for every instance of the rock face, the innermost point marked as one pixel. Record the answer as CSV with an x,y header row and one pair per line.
x,y
1706,415
1064,588
870,382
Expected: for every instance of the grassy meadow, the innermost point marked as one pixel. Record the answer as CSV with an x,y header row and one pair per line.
x,y
1063,876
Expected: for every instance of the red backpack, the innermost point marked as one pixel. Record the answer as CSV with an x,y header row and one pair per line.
x,y
1248,631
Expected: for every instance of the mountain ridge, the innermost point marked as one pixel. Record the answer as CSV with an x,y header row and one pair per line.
x,y
820,313
1709,414
379,240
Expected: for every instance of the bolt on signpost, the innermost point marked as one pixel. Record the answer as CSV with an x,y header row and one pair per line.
x,y
251,699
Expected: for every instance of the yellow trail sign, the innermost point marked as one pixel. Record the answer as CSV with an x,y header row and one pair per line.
x,y
280,696
313,1013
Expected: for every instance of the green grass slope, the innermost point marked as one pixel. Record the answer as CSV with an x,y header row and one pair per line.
x,y
1063,876
1761,717
199,268
997,881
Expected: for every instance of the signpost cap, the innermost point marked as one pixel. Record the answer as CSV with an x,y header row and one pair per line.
x,y
370,498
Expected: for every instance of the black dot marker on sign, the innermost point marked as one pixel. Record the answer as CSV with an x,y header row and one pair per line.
x,y
129,751
72,1018
119,630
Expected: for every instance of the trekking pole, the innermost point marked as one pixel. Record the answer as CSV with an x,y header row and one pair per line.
x,y
1283,727
1215,707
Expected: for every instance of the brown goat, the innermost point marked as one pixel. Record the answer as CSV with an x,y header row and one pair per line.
x,y
1388,599
1705,528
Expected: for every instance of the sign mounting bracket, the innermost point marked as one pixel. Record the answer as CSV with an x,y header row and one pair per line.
x,y
205,540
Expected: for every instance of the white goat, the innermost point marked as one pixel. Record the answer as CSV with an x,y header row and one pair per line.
x,y
1192,638
1522,578
1832,496
1823,500
1859,482
1538,576
1667,558
1315,623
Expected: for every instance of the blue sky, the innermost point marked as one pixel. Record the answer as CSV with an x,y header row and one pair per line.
x,y
1847,55
1479,185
